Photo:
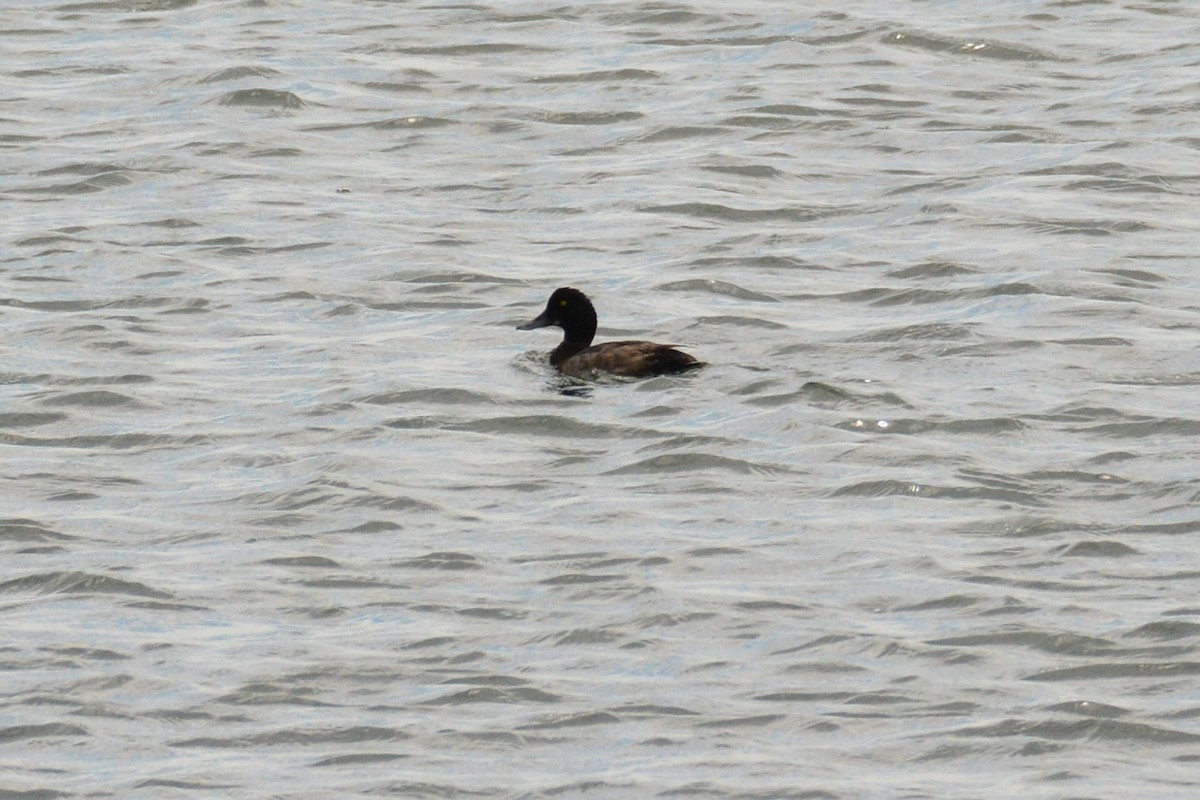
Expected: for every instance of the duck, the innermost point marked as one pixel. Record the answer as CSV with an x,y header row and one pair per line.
x,y
576,356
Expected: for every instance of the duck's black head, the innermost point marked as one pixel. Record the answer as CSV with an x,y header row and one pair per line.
x,y
570,310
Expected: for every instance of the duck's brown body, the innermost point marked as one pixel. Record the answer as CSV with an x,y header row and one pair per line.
x,y
571,310
627,359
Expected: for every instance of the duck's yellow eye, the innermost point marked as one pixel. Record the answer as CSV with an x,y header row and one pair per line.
x,y
562,303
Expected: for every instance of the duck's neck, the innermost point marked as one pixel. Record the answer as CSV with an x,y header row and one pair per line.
x,y
577,334
581,328
566,349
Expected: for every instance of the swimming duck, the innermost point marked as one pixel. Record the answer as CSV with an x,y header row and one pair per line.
x,y
571,310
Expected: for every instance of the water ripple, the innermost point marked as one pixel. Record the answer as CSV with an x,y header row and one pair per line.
x,y
289,503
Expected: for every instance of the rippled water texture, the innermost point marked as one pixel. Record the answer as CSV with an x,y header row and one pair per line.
x,y
289,508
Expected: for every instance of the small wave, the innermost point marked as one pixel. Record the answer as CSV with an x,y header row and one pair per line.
x,y
1081,730
448,561
695,462
28,530
28,420
600,76
48,730
901,426
723,288
587,117
975,48
724,213
99,398
118,441
262,98
239,73
575,720
390,123
80,583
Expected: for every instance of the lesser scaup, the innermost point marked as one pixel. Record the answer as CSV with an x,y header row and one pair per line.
x,y
571,310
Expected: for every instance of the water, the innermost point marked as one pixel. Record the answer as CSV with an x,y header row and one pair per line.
x,y
290,509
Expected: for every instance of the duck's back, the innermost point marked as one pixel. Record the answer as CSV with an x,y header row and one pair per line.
x,y
629,359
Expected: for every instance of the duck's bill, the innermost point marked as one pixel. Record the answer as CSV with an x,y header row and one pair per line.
x,y
542,321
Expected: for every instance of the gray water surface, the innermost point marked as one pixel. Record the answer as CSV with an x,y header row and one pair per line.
x,y
289,509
